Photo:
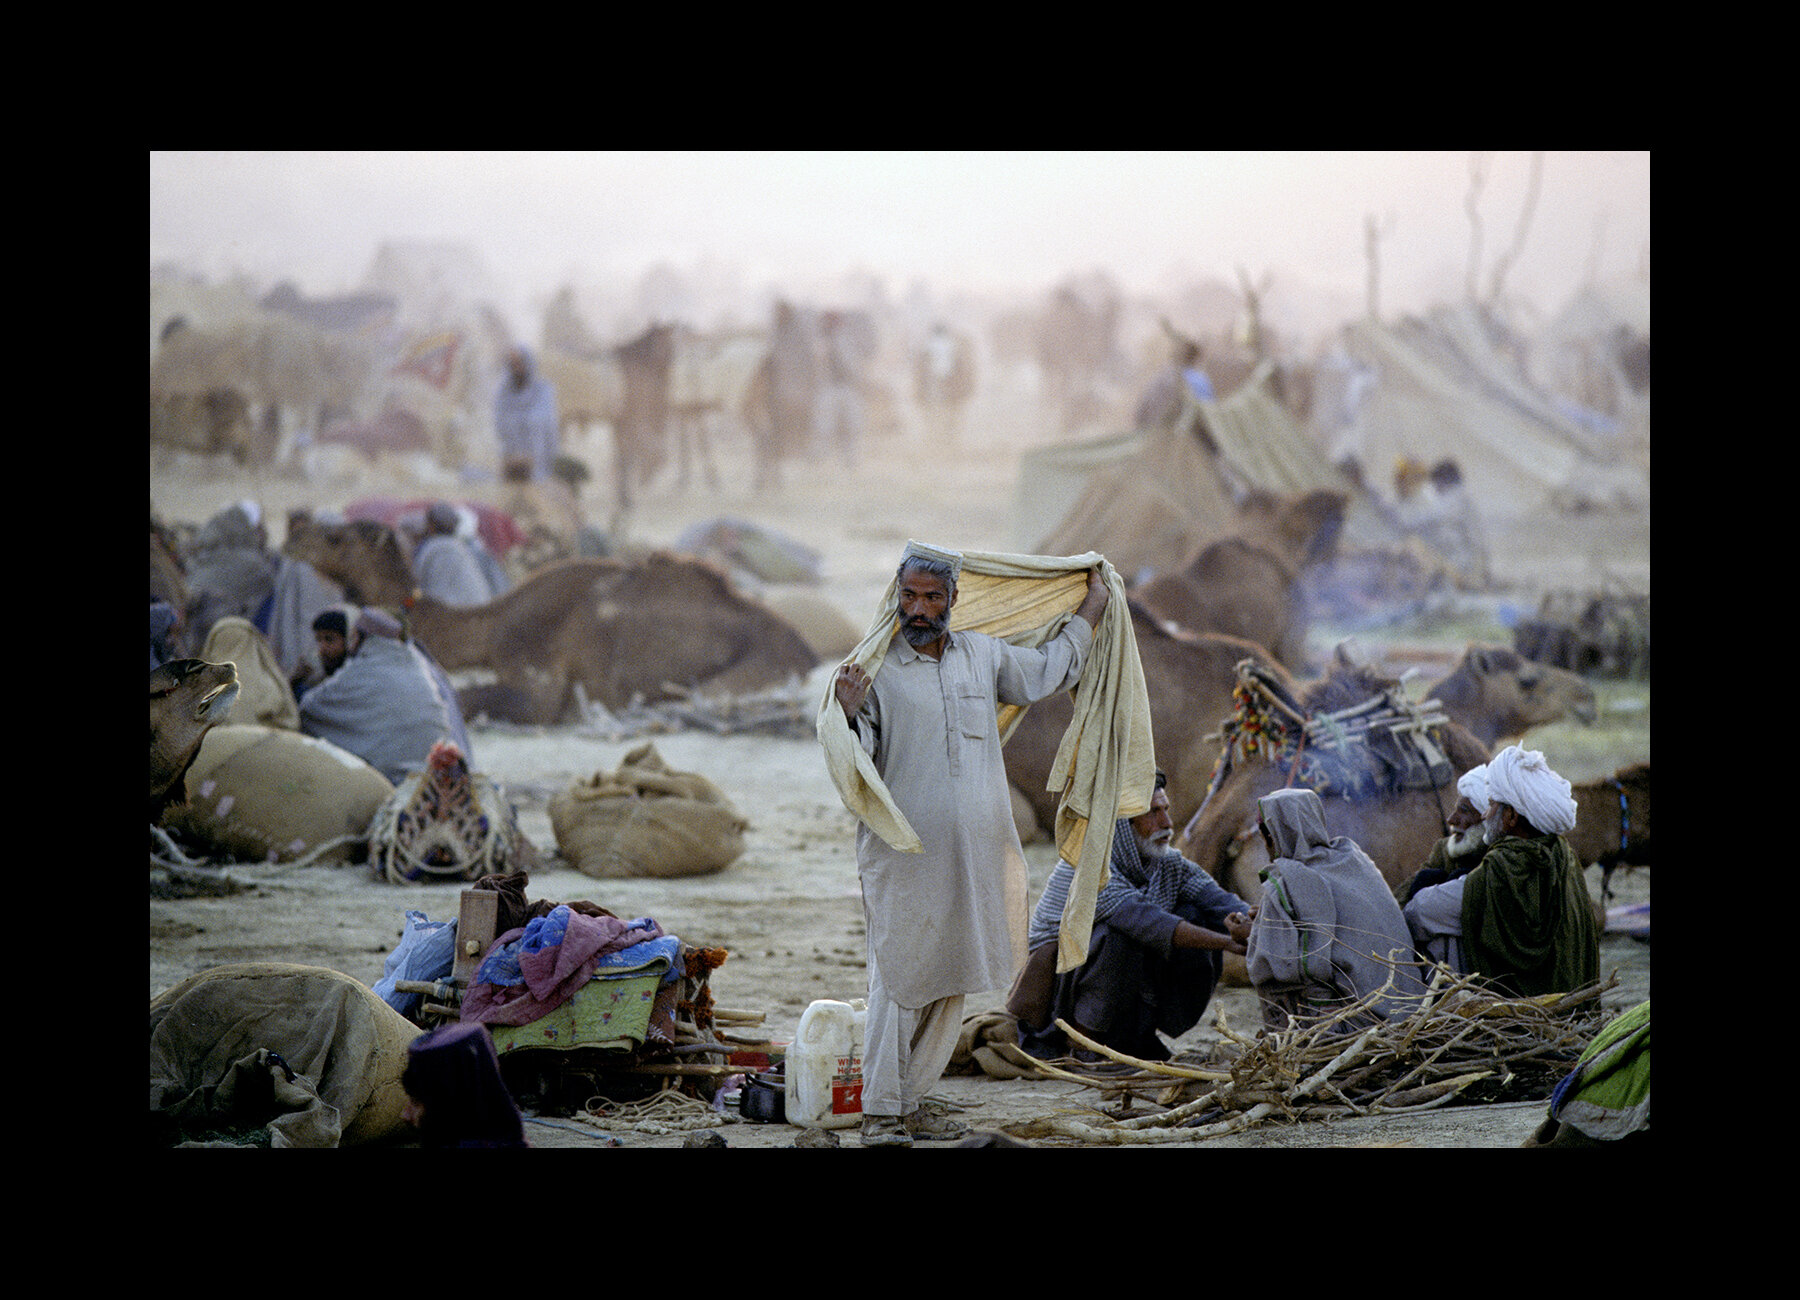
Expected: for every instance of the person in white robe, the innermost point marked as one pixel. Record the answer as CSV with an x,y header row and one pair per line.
x,y
945,922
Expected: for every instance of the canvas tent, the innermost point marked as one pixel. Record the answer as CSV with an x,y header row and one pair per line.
x,y
1152,499
1444,388
1580,356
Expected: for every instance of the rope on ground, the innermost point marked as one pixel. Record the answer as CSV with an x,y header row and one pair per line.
x,y
661,1113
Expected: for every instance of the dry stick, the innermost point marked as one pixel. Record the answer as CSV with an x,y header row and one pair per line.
x,y
1436,1094
1151,1067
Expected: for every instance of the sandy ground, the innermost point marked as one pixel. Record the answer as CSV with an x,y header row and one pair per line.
x,y
789,909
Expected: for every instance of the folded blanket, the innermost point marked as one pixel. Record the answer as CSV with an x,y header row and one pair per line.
x,y
1105,767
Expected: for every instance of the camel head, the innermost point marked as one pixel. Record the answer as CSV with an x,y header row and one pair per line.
x,y
187,698
363,557
1499,694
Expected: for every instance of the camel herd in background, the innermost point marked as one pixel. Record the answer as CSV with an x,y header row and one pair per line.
x,y
660,625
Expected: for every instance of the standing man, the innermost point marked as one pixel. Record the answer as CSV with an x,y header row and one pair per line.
x,y
941,923
525,420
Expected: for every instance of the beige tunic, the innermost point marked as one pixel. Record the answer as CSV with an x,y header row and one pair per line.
x,y
951,919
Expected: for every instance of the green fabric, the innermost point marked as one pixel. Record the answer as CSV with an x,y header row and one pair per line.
x,y
1528,922
1608,1096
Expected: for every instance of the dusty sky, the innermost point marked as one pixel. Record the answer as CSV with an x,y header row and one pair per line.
x,y
988,220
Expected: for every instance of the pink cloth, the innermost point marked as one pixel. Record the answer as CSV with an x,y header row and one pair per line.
x,y
553,956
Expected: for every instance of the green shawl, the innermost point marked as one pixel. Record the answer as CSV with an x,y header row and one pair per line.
x,y
1528,922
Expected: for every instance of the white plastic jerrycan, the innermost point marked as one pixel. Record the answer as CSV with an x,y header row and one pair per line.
x,y
824,1065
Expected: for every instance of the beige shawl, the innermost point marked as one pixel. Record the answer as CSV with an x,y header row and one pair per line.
x,y
1106,765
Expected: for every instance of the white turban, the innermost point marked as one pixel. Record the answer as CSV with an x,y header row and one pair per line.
x,y
1521,778
1473,786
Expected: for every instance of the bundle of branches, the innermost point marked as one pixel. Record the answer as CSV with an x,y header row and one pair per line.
x,y
1465,1043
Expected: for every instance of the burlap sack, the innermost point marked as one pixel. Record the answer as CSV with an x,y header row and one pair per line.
x,y
646,820
210,1037
267,794
264,696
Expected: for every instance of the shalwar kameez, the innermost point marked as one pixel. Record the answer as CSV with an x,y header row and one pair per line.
x,y
951,920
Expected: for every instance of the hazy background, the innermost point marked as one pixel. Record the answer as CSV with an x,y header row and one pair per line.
x,y
940,222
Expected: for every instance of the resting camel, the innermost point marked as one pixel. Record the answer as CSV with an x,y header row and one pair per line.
x,y
656,628
1189,678
187,698
1499,695
1395,827
1249,584
1492,693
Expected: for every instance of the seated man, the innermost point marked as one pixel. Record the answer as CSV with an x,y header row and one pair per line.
x,y
1161,929
1434,915
447,567
331,638
1523,915
1328,931
387,704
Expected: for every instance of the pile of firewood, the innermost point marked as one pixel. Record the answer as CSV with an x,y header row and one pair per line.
x,y
1464,1044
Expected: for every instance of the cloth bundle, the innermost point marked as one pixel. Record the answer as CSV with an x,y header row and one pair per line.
x,y
646,820
529,973
1105,767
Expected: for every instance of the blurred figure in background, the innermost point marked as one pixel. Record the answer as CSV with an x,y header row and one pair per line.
x,y
525,420
943,383
447,566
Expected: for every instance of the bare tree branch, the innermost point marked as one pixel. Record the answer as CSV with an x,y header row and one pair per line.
x,y
1533,184
1478,161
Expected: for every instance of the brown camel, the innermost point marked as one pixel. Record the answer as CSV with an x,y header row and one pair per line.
x,y
187,698
1612,821
659,627
1189,678
1396,827
1249,584
1500,695
1238,589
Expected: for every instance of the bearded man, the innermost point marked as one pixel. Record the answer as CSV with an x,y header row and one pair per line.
x,y
1162,927
940,921
1432,899
1522,916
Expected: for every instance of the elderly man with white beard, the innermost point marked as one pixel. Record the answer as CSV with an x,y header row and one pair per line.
x,y
1432,899
1161,928
1522,916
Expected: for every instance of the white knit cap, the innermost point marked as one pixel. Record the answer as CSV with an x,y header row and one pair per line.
x,y
1473,786
921,551
1521,778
